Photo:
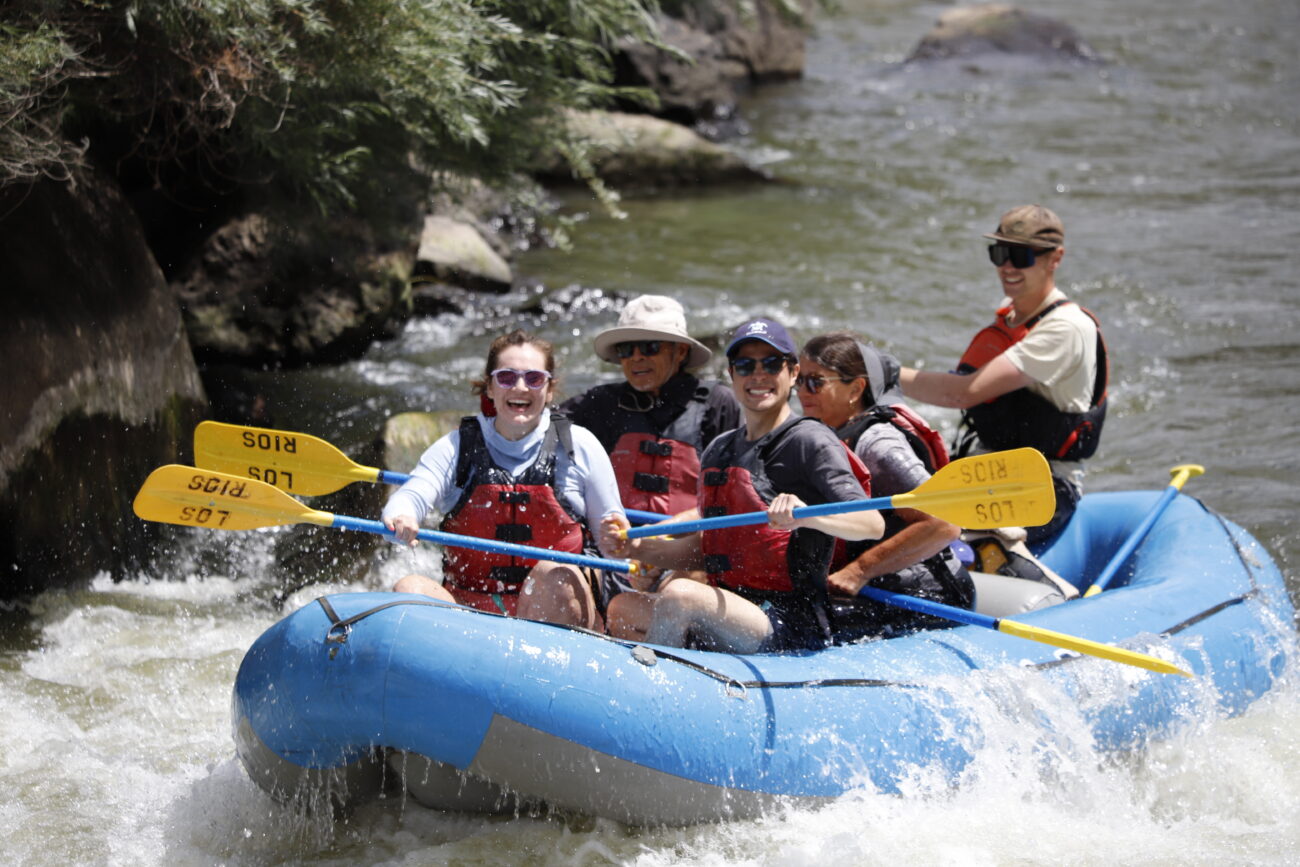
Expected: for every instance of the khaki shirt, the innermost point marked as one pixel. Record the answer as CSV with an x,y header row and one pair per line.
x,y
1060,355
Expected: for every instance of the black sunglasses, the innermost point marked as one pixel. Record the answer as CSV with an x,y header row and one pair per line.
x,y
772,364
645,347
1020,257
814,383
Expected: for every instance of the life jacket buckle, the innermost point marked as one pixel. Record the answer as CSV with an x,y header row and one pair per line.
x,y
514,533
650,482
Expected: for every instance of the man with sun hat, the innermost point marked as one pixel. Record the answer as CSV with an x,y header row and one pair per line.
x,y
655,423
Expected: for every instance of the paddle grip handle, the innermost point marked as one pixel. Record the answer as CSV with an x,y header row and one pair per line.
x,y
746,519
388,477
456,541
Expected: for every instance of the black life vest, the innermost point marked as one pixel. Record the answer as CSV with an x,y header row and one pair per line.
x,y
527,510
1023,418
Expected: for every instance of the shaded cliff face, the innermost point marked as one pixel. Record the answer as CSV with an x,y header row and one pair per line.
x,y
100,383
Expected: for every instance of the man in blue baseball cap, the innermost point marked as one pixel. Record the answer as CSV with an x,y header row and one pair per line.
x,y
765,330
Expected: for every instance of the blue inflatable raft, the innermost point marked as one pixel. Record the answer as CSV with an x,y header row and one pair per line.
x,y
469,711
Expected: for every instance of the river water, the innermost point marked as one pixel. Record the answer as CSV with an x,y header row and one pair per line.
x,y
1174,165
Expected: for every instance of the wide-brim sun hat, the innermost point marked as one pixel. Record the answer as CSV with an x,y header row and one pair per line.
x,y
651,317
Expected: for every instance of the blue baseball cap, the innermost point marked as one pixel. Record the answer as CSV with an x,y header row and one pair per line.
x,y
768,331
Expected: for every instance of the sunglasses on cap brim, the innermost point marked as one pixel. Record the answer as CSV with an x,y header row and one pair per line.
x,y
1017,255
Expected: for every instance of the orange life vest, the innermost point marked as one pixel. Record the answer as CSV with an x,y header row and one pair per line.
x,y
1021,417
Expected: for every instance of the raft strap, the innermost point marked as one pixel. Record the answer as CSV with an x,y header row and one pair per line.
x,y
341,628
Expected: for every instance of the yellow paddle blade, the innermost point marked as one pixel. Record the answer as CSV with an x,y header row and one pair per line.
x,y
1001,489
1089,648
175,494
295,462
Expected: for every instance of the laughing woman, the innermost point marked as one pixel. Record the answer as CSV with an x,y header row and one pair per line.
x,y
767,583
517,473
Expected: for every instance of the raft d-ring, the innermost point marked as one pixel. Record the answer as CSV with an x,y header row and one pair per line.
x,y
338,638
736,689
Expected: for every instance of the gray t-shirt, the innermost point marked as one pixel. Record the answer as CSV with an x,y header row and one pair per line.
x,y
895,468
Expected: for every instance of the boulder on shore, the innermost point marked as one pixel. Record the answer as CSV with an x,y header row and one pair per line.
x,y
454,251
407,435
261,294
999,28
102,386
639,151
714,52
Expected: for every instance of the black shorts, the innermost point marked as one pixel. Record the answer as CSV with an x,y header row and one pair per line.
x,y
605,585
945,582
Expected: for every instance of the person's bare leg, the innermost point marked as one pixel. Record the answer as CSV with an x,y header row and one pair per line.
x,y
628,615
424,585
558,593
721,618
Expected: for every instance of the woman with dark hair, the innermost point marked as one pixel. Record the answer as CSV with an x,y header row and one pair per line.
x,y
853,389
517,473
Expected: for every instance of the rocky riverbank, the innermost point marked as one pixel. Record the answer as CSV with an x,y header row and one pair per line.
x,y
116,339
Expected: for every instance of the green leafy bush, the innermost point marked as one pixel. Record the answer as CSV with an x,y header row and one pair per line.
x,y
340,103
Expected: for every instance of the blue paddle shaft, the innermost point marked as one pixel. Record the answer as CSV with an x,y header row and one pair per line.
x,y
747,518
1130,545
641,517
389,477
455,541
925,606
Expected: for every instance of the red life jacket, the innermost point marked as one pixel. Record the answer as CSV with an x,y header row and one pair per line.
x,y
660,472
754,557
1023,418
840,556
528,510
